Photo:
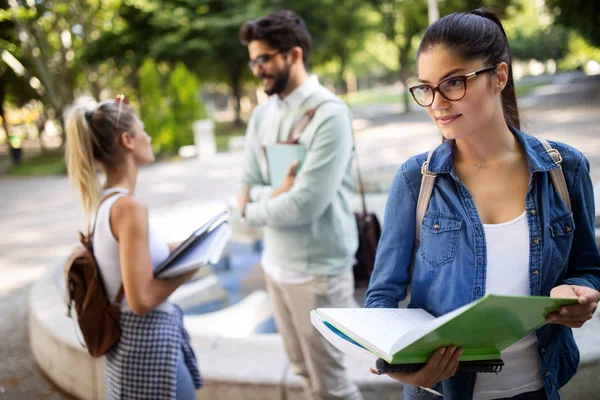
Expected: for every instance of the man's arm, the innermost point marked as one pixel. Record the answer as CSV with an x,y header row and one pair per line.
x,y
253,188
250,166
317,182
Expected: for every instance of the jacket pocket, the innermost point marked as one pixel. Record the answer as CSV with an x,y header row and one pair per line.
x,y
561,237
439,235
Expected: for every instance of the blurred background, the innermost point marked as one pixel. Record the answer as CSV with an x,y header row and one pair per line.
x,y
179,62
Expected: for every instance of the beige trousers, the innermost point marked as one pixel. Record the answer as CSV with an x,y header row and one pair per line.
x,y
311,355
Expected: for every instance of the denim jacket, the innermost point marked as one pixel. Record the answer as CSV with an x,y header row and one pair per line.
x,y
450,264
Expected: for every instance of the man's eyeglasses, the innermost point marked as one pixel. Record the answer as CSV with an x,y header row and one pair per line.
x,y
451,89
120,99
262,59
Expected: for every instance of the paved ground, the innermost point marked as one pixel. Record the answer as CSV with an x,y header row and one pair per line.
x,y
41,216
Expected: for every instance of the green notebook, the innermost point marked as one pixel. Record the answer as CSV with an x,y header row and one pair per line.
x,y
402,336
280,157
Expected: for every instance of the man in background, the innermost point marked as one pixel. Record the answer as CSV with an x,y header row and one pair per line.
x,y
310,232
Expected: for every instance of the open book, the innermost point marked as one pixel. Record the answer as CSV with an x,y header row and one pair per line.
x,y
280,157
203,247
408,336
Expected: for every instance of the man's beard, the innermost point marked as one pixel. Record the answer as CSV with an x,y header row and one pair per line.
x,y
280,81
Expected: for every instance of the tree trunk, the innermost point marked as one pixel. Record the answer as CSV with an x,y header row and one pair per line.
x,y
341,76
404,69
3,116
41,127
236,87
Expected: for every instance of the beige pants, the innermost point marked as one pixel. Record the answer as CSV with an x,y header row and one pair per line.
x,y
311,355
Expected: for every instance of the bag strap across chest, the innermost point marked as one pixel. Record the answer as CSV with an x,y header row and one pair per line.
x,y
428,182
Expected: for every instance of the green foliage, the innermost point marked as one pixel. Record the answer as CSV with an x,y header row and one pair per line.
x,y
580,15
48,164
169,114
153,110
532,36
202,34
579,53
405,20
544,43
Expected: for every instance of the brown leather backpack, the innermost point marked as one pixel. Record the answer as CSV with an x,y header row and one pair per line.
x,y
97,317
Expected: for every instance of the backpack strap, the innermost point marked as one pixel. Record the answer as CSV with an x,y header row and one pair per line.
x,y
557,175
427,184
93,227
299,128
428,181
304,121
121,293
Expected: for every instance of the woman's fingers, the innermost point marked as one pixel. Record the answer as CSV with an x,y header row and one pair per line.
x,y
441,365
573,316
452,365
435,369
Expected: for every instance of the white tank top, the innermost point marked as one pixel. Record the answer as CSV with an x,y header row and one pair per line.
x,y
106,251
508,273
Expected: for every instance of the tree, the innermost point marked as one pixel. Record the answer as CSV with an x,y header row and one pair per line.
x,y
404,20
153,106
14,85
49,35
204,35
544,43
168,114
532,36
580,15
182,91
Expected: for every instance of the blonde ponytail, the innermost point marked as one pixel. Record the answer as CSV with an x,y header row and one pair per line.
x,y
79,156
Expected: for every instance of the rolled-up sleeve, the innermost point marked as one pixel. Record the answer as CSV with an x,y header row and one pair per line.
x,y
391,274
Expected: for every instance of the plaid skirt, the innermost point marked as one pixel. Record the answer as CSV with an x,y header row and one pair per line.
x,y
143,364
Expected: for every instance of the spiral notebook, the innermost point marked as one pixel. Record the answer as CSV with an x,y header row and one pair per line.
x,y
402,340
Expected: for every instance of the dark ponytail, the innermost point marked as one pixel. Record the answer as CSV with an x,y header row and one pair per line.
x,y
477,35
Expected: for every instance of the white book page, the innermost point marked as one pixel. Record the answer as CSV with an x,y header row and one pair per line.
x,y
342,344
426,328
220,243
376,328
200,254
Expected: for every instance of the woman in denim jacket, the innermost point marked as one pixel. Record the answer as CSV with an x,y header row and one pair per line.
x,y
495,221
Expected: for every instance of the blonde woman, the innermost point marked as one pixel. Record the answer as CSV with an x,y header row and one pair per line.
x,y
153,359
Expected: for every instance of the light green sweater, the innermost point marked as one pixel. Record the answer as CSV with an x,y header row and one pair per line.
x,y
312,227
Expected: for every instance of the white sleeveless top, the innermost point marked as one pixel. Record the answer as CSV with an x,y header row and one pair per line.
x,y
508,273
106,251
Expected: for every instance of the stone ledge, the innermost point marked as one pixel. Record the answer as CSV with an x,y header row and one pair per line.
x,y
250,367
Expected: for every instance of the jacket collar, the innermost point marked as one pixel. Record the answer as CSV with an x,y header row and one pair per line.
x,y
538,159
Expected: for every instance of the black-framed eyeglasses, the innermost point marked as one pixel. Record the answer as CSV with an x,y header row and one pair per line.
x,y
451,89
120,99
263,59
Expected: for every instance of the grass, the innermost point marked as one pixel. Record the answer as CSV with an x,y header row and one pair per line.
x,y
524,89
225,131
373,97
53,163
45,164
